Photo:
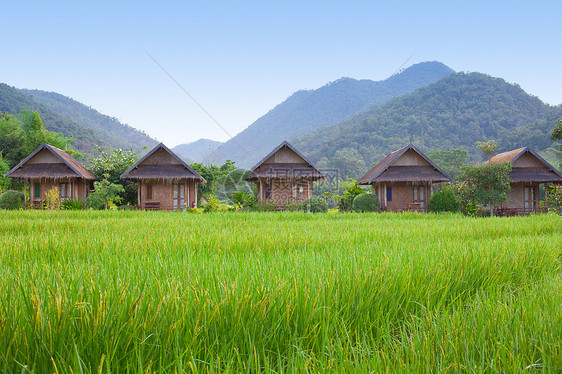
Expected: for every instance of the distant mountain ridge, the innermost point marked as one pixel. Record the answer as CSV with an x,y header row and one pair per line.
x,y
307,110
61,114
108,129
453,112
200,150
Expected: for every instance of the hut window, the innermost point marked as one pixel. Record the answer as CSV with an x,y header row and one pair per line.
x,y
268,190
37,190
149,192
389,194
64,190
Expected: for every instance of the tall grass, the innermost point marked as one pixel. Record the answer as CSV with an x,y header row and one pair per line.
x,y
282,292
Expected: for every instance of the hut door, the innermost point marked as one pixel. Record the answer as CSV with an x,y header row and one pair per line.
x,y
531,197
179,196
419,196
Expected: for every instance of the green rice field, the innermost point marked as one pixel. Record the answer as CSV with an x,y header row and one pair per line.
x,y
141,292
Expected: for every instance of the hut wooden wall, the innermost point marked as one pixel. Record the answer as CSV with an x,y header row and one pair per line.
x,y
80,188
402,195
283,190
163,194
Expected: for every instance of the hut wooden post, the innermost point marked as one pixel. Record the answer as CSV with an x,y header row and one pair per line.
x,y
25,191
187,195
139,194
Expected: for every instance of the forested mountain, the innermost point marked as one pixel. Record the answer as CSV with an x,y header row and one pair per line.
x,y
201,150
106,128
307,110
60,114
454,112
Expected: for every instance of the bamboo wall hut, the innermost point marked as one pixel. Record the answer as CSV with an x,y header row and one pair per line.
x,y
285,175
49,167
529,172
165,181
404,180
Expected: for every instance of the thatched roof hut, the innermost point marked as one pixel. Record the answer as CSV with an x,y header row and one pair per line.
x,y
285,175
165,181
528,175
403,180
49,167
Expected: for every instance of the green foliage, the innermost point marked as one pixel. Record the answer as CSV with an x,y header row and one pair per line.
x,y
451,161
554,197
243,199
294,206
556,134
52,199
489,148
222,181
453,112
104,193
212,204
267,206
316,204
445,200
366,202
4,168
348,163
11,200
350,191
73,204
18,138
110,166
490,183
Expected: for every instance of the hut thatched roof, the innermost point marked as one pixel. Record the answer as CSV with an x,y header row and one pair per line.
x,y
155,167
386,171
266,168
68,167
542,174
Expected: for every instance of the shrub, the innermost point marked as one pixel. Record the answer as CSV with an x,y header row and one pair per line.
x,y
243,199
212,205
267,206
293,206
11,200
316,204
126,207
366,202
446,200
73,204
351,190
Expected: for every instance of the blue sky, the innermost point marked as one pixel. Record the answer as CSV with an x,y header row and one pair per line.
x,y
240,59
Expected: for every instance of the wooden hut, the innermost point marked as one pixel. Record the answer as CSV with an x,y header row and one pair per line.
x,y
529,171
285,175
404,180
165,181
49,167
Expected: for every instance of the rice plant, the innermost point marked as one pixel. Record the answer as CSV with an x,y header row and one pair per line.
x,y
129,291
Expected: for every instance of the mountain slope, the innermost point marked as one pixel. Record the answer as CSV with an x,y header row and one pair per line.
x,y
307,110
202,149
454,112
106,128
13,101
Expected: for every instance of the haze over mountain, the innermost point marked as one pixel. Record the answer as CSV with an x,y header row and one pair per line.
x,y
453,112
198,150
307,110
61,114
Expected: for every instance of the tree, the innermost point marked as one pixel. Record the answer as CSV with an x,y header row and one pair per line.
x,y
4,168
451,161
556,134
489,148
554,197
221,180
490,183
110,166
349,163
104,193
